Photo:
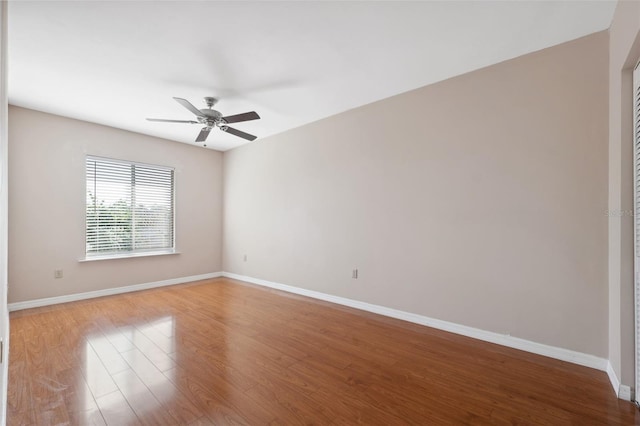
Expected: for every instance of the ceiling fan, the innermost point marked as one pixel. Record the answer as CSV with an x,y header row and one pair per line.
x,y
212,118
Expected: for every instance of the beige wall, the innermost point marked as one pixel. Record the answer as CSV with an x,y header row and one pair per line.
x,y
47,198
624,52
479,200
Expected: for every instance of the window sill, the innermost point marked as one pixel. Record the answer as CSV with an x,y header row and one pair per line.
x,y
127,255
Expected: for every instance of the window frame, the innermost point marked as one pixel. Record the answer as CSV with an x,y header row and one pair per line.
x,y
131,253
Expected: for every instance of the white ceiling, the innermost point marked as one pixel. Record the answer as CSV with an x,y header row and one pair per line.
x,y
115,63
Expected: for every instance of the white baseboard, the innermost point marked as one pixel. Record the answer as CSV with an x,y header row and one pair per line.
x,y
107,292
622,391
487,336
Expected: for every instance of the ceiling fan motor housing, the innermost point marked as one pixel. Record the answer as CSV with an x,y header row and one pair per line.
x,y
211,117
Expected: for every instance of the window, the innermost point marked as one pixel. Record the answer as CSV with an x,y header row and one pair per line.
x,y
129,208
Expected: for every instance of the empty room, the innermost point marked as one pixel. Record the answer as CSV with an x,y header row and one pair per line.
x,y
319,212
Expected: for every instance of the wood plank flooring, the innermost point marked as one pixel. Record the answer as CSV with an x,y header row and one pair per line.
x,y
224,352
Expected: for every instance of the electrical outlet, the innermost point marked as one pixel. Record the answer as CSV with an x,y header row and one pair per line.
x,y
354,274
57,273
245,258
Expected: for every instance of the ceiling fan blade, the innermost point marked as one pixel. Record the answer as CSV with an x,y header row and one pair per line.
x,y
202,136
185,103
238,133
162,120
242,117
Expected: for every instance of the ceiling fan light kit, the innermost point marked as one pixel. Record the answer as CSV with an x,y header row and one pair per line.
x,y
211,119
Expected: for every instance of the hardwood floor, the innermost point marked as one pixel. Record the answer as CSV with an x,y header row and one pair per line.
x,y
224,352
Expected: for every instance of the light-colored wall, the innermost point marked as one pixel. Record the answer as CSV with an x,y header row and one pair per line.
x,y
47,201
480,200
624,52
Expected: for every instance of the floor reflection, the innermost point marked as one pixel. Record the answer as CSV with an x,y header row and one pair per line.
x,y
131,364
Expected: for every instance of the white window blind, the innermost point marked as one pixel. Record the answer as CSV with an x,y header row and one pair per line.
x,y
129,208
